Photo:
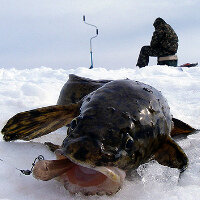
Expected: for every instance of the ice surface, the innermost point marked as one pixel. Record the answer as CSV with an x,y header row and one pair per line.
x,y
22,90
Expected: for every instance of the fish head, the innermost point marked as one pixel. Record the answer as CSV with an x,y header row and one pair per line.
x,y
100,147
99,140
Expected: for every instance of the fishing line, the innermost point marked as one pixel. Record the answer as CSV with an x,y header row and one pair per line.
x,y
27,171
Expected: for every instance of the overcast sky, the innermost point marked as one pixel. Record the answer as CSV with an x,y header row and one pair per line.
x,y
51,33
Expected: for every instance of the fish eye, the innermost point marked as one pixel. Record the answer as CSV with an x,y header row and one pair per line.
x,y
73,124
129,144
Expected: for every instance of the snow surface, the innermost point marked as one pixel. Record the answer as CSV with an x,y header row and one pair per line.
x,y
22,90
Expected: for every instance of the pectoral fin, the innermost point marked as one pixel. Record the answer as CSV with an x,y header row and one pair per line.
x,y
35,123
181,128
171,154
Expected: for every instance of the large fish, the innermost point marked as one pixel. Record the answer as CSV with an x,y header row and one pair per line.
x,y
113,127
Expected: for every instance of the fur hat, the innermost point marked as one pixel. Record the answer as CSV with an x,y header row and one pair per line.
x,y
158,22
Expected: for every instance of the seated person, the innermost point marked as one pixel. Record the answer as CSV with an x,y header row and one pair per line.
x,y
164,42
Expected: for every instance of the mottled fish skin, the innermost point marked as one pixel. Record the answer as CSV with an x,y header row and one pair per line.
x,y
120,124
77,87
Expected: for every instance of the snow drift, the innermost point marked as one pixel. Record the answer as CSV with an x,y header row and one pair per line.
x,y
27,89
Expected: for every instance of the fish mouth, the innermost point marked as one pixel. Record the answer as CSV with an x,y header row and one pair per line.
x,y
79,177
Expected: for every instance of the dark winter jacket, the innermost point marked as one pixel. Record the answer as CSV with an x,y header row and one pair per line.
x,y
164,37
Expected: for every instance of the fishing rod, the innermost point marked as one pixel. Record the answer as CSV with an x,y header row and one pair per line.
x,y
97,32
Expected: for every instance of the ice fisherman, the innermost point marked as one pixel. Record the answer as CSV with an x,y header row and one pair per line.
x,y
164,42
